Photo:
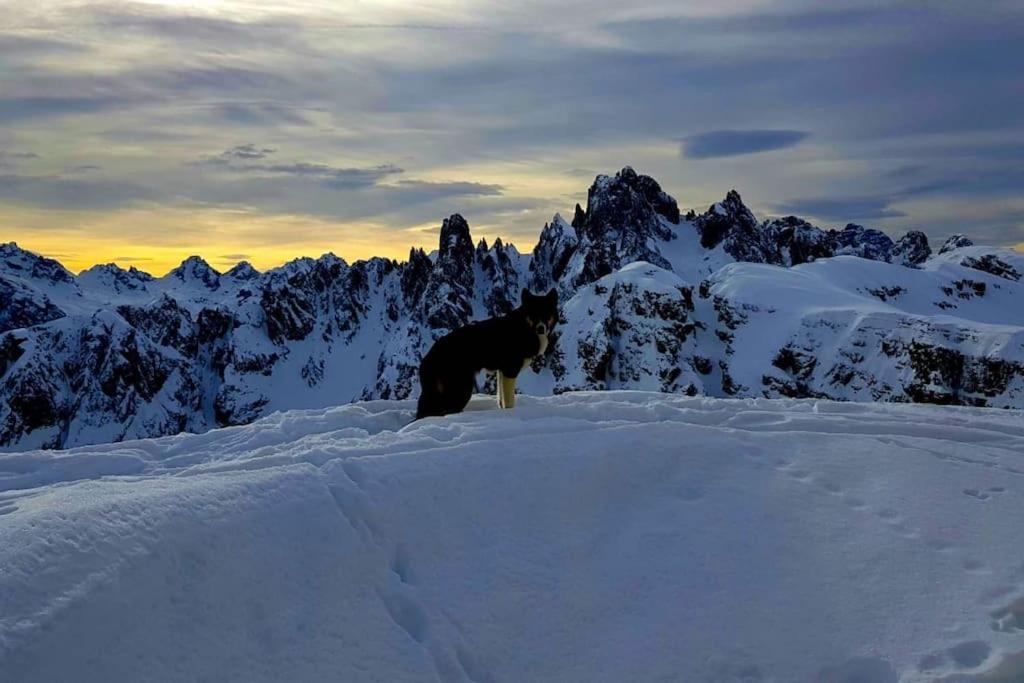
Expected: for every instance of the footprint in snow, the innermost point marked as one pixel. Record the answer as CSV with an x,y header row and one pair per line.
x,y
967,655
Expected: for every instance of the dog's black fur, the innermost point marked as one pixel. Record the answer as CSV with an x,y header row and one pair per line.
x,y
504,344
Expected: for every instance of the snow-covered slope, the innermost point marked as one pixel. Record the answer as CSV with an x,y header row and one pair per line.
x,y
585,537
713,303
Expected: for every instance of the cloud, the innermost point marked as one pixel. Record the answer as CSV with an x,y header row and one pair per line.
x,y
247,151
17,109
259,114
448,189
728,143
240,160
132,259
151,86
62,193
333,176
841,208
10,159
234,257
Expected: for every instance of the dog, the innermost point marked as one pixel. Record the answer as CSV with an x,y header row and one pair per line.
x,y
504,345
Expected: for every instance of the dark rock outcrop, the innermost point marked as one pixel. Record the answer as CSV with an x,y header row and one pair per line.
x,y
625,215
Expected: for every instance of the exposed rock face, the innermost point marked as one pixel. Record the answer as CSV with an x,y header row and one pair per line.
x,y
649,300
243,270
18,262
116,279
856,240
632,329
447,297
500,276
551,256
992,264
21,306
912,249
791,241
194,270
732,224
625,214
955,242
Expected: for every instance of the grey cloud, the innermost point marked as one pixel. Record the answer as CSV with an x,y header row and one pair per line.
x,y
881,85
63,193
17,109
132,259
234,257
333,176
259,114
446,189
727,143
247,151
841,208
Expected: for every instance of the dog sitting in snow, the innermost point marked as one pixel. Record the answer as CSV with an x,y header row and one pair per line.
x,y
504,345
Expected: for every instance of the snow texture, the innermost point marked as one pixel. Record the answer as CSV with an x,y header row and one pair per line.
x,y
603,536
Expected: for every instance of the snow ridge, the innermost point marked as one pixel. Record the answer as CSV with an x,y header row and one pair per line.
x,y
666,537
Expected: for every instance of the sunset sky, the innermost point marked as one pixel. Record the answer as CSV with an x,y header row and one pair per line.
x,y
143,132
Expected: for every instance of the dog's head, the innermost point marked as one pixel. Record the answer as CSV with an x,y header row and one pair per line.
x,y
541,311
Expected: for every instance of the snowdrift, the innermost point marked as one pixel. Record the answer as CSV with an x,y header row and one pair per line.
x,y
587,537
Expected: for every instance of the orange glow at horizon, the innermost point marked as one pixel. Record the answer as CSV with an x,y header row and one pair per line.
x,y
221,237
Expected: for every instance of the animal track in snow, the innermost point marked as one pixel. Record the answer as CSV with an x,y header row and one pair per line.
x,y
966,655
975,566
407,613
986,494
799,475
859,670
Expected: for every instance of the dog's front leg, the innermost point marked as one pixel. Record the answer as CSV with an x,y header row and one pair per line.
x,y
506,391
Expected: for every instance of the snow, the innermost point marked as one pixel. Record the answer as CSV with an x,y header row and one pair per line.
x,y
589,536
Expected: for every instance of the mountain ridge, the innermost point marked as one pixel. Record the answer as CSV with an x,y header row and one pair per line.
x,y
650,299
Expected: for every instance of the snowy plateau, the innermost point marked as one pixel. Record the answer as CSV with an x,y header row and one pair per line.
x,y
591,536
716,304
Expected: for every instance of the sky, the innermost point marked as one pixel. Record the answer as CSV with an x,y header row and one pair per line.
x,y
143,132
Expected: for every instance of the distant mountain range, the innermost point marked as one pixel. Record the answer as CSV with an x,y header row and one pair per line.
x,y
716,303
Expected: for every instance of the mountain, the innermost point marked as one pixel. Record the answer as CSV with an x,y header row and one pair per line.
x,y
716,303
614,536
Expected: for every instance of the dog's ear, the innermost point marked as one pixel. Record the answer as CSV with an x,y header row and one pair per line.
x,y
525,296
552,295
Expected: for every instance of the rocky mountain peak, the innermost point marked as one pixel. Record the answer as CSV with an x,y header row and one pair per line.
x,y
447,299
23,263
555,247
112,276
243,270
856,240
792,241
626,215
912,249
140,275
729,218
455,243
195,270
955,242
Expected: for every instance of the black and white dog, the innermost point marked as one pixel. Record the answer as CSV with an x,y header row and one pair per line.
x,y
504,345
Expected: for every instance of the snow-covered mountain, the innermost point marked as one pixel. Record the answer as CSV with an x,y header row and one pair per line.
x,y
614,536
716,303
